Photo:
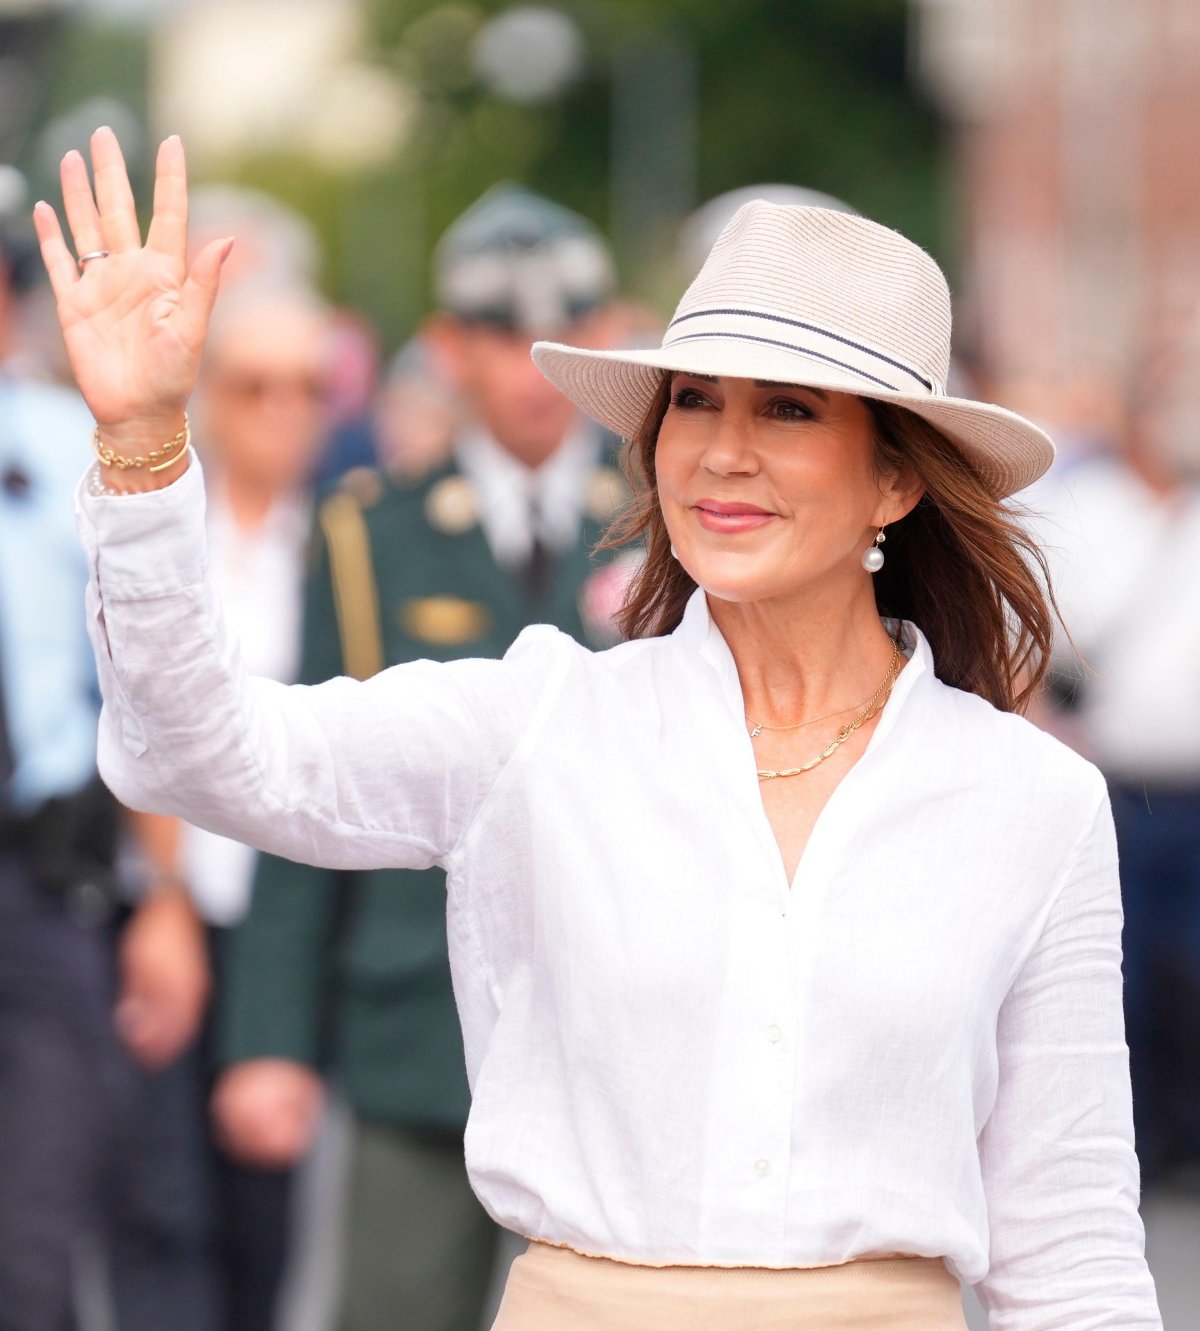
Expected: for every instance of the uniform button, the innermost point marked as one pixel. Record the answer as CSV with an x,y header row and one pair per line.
x,y
774,1034
762,1168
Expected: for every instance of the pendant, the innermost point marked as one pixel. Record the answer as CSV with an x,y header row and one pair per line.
x,y
754,734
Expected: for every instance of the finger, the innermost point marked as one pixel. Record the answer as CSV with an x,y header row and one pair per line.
x,y
79,205
60,266
135,1026
114,197
168,226
200,289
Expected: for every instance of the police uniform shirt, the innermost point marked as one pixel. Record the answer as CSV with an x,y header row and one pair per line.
x,y
50,693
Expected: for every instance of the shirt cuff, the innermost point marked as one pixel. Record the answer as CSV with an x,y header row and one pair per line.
x,y
145,544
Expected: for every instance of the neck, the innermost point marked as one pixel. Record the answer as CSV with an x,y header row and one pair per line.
x,y
804,656
249,498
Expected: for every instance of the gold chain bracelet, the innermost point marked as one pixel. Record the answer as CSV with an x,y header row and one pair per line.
x,y
153,461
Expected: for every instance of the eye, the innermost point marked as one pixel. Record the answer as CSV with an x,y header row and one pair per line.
x,y
688,399
789,409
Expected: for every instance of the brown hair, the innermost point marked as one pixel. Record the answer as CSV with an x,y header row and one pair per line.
x,y
959,566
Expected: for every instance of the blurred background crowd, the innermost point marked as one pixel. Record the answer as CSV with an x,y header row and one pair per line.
x,y
231,1088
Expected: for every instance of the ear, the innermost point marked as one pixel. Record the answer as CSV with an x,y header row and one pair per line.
x,y
899,493
447,339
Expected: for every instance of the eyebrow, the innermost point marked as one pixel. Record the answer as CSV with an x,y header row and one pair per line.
x,y
760,383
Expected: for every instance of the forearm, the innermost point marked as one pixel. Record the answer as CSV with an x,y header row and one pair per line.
x,y
156,839
346,775
1067,1246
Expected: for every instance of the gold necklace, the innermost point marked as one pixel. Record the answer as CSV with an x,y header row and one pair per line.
x,y
873,706
757,727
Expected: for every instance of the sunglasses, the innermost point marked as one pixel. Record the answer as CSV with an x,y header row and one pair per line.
x,y
256,388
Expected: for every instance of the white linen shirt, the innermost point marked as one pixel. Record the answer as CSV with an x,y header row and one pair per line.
x,y
259,575
675,1055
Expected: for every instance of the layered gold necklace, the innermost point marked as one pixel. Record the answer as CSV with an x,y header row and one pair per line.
x,y
872,707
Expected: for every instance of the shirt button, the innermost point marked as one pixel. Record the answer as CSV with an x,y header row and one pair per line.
x,y
774,1034
762,1168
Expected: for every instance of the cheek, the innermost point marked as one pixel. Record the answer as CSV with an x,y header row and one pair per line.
x,y
674,463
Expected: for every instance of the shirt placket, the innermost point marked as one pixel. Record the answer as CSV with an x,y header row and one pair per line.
x,y
772,1036
761,1027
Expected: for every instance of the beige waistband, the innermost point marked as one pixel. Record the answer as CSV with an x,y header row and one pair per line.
x,y
713,1266
551,1289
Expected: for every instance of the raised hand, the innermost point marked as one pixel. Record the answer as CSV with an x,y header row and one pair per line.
x,y
133,321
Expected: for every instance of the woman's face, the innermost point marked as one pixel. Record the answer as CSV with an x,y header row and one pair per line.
x,y
770,490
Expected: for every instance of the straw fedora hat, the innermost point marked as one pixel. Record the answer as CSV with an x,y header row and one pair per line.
x,y
817,297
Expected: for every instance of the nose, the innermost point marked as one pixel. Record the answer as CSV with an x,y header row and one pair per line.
x,y
729,450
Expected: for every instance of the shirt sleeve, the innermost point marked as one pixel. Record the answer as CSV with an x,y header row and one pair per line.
x,y
1061,1177
389,772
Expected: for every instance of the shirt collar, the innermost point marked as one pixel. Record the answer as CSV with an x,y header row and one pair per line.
x,y
699,637
505,488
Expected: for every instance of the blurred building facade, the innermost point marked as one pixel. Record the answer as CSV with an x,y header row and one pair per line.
x,y
1074,123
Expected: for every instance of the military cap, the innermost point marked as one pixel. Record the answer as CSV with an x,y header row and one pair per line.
x,y
519,261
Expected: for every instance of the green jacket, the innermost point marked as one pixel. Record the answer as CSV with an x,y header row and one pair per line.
x,y
349,971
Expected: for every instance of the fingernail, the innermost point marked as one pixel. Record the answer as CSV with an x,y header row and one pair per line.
x,y
228,245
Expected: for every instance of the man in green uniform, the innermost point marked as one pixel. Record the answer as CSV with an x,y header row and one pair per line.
x,y
346,975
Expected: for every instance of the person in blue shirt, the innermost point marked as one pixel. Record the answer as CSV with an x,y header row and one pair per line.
x,y
57,1046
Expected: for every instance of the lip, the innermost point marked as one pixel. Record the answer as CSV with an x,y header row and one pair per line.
x,y
731,518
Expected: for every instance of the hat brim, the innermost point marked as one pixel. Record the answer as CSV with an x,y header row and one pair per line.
x,y
616,388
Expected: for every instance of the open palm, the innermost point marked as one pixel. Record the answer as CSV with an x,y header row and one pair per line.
x,y
135,317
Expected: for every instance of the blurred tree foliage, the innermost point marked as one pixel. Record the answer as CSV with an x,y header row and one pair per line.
x,y
811,92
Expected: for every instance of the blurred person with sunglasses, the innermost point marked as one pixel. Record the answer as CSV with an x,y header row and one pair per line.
x,y
198,1242
347,975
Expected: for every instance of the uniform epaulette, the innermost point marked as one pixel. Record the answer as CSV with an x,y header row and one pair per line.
x,y
352,573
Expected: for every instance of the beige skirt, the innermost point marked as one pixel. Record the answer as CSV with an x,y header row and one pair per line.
x,y
555,1289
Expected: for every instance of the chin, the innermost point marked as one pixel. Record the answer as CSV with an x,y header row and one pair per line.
x,y
737,595
731,584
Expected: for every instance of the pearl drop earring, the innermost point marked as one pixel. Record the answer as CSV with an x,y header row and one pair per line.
x,y
872,559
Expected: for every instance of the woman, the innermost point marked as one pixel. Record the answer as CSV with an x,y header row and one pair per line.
x,y
788,968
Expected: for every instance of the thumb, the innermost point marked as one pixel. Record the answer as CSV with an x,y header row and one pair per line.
x,y
200,288
134,1019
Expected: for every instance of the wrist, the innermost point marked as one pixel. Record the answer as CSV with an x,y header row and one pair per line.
x,y
142,434
141,455
164,884
108,481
